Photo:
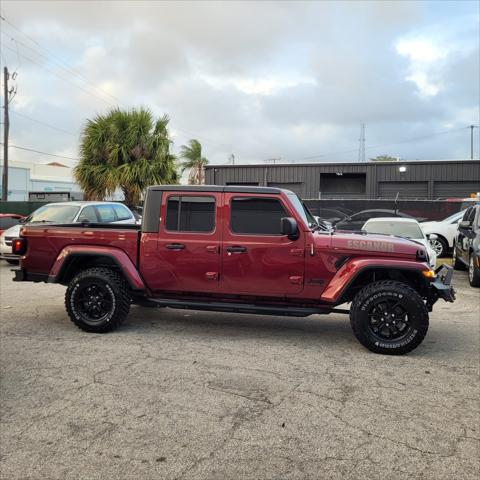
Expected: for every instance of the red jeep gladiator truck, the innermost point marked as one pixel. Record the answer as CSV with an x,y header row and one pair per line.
x,y
237,249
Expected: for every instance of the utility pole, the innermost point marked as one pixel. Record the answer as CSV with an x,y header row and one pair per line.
x,y
471,141
6,128
361,147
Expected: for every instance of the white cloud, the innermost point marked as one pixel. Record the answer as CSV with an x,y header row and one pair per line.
x,y
259,79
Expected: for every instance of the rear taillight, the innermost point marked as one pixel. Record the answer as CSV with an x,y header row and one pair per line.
x,y
19,246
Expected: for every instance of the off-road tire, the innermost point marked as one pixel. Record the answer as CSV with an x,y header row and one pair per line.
x,y
473,271
115,287
457,264
407,299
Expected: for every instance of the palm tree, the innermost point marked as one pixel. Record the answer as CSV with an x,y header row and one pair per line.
x,y
129,150
193,160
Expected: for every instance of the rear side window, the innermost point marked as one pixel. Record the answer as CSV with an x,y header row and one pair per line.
x,y
190,214
106,213
122,213
256,216
7,222
88,214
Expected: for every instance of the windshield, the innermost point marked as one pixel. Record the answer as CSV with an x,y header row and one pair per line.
x,y
455,216
402,229
302,210
54,213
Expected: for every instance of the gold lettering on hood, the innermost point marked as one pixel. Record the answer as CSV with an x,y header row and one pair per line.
x,y
372,245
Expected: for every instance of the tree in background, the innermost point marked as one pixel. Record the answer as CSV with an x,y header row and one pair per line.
x,y
384,158
129,150
193,160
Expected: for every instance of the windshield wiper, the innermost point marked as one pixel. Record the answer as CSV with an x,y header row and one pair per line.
x,y
41,221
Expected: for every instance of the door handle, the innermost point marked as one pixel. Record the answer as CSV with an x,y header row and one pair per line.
x,y
236,249
175,246
212,248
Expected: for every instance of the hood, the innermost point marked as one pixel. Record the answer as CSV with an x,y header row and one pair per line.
x,y
377,245
12,231
427,225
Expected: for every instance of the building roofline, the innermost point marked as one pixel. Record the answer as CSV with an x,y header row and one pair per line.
x,y
340,164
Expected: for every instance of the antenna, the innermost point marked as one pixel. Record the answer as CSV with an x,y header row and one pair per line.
x,y
361,146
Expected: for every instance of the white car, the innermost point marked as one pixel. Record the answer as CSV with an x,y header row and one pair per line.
x,y
445,231
403,227
67,212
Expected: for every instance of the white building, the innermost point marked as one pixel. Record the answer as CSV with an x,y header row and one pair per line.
x,y
26,177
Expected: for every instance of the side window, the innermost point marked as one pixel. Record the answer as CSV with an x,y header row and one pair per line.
x,y
257,216
190,214
471,217
7,222
88,214
467,213
106,213
122,213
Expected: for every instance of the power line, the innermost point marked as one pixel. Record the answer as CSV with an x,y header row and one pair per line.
x,y
36,62
41,153
43,123
57,60
414,139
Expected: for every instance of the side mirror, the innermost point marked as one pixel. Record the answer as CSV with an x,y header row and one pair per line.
x,y
289,227
465,224
432,236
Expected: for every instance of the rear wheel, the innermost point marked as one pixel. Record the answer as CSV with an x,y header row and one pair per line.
x,y
473,271
97,300
389,317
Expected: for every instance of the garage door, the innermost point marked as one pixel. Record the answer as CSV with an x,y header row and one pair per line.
x,y
294,187
454,189
346,185
403,189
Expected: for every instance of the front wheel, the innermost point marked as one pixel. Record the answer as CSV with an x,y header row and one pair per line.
x,y
474,271
440,246
389,317
97,300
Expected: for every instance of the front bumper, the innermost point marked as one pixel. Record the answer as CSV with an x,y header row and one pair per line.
x,y
441,287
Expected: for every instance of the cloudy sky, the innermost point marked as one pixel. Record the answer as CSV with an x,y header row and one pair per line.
x,y
260,80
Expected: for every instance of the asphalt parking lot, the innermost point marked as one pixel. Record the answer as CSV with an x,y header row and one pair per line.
x,y
196,395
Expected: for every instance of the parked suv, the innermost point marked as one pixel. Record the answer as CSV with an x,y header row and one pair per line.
x,y
466,251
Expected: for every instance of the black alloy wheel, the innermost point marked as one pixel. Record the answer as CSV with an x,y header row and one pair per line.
x,y
98,299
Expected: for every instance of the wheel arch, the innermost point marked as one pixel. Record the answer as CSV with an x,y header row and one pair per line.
x,y
445,239
70,262
372,273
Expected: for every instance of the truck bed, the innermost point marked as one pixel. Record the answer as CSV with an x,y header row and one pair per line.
x,y
50,239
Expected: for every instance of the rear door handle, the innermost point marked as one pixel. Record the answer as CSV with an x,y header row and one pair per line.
x,y
175,246
238,249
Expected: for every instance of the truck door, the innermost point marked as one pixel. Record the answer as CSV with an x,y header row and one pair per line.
x,y
256,258
466,234
187,257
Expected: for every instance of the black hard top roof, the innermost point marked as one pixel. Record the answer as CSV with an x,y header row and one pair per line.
x,y
219,188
